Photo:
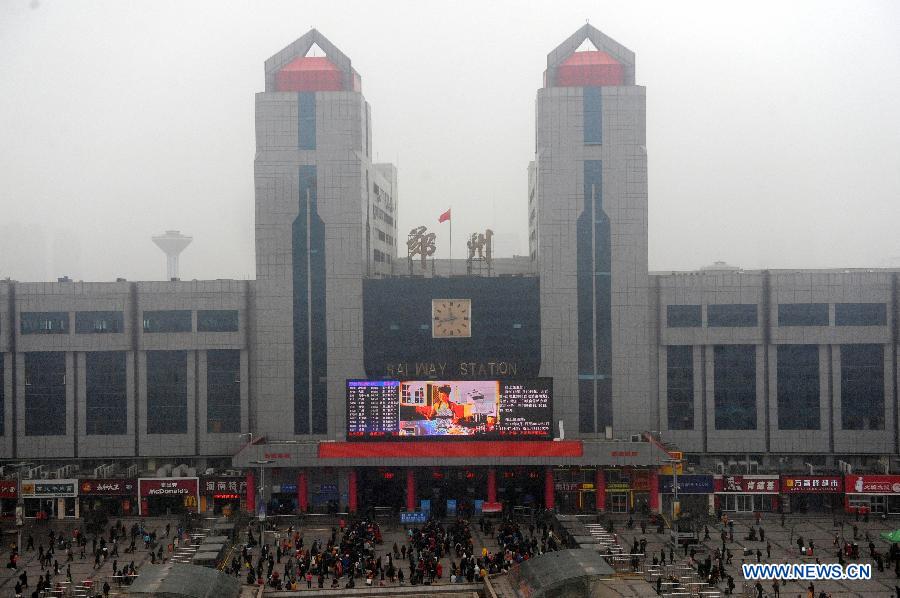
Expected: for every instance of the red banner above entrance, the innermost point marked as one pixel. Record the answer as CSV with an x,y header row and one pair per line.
x,y
469,449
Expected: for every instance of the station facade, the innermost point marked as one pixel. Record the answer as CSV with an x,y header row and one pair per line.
x,y
744,372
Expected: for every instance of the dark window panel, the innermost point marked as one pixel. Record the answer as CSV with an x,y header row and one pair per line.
x,y
167,392
731,315
862,387
173,320
803,314
797,372
45,394
2,397
44,322
680,387
860,314
593,115
106,400
306,123
734,383
224,320
99,322
684,316
223,391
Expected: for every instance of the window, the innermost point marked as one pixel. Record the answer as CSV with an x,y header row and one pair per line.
x,y
167,392
223,391
593,121
731,315
734,382
99,322
167,321
860,314
680,387
106,400
45,322
45,394
798,386
862,387
223,320
306,123
803,314
683,316
2,398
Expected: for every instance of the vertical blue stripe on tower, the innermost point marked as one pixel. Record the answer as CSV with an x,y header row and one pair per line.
x,y
593,121
306,120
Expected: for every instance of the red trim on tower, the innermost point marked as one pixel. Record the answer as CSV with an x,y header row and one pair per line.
x,y
309,73
467,449
590,69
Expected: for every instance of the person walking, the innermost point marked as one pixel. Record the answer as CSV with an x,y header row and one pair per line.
x,y
768,550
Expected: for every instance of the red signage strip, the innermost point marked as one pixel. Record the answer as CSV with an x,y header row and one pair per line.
x,y
168,486
107,487
873,484
448,449
812,484
756,484
9,489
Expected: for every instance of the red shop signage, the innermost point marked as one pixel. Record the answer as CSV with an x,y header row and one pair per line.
x,y
812,484
9,489
168,487
747,484
223,485
107,487
873,484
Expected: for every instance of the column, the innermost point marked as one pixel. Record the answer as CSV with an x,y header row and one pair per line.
x,y
654,491
251,493
410,490
351,491
492,485
600,485
549,490
302,492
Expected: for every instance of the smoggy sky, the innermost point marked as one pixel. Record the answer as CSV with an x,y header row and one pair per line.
x,y
773,128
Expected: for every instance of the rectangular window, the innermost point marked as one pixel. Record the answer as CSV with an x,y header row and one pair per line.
x,y
106,399
98,322
680,387
167,392
45,394
798,386
683,316
860,314
734,381
45,322
862,387
593,118
218,320
306,123
2,397
803,314
731,315
223,391
174,320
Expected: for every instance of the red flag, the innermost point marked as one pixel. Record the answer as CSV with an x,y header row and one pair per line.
x,y
444,217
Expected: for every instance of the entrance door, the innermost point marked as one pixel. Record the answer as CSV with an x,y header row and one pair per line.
x,y
617,502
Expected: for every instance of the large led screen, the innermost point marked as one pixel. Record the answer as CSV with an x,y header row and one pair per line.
x,y
448,409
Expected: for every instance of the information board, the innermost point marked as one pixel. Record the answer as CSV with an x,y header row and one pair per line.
x,y
447,409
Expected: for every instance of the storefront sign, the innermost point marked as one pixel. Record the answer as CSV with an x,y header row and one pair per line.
x,y
49,488
687,484
9,489
809,484
617,487
107,487
167,486
872,484
224,485
573,486
640,480
748,484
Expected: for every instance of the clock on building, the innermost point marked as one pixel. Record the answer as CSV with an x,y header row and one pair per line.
x,y
451,318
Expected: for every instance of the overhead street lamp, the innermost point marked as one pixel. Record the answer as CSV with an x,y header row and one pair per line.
x,y
261,497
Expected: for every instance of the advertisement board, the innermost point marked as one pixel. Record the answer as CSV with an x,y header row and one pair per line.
x,y
748,484
49,488
9,489
450,409
687,484
873,484
107,487
811,484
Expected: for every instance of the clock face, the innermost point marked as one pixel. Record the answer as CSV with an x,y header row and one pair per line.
x,y
451,318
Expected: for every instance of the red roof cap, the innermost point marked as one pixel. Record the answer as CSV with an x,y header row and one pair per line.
x,y
589,57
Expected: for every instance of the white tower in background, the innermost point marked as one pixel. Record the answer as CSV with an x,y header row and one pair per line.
x,y
172,243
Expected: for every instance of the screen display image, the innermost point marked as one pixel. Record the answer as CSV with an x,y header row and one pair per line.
x,y
439,409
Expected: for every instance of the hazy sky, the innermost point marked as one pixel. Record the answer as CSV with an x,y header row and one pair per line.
x,y
773,127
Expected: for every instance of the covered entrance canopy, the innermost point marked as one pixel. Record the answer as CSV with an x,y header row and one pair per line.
x,y
576,572
184,581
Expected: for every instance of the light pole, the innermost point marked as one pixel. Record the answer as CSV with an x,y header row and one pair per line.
x,y
262,495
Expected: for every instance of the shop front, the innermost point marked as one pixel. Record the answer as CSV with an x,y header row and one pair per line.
x,y
872,494
629,490
223,495
284,499
50,499
747,494
577,497
9,496
115,496
695,494
811,494
168,496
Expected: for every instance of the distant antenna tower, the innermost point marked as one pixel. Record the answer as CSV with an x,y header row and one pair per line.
x,y
172,243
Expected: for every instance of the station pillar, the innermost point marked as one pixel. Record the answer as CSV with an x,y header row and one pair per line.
x,y
351,491
410,490
302,491
654,491
251,493
549,489
600,485
492,485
